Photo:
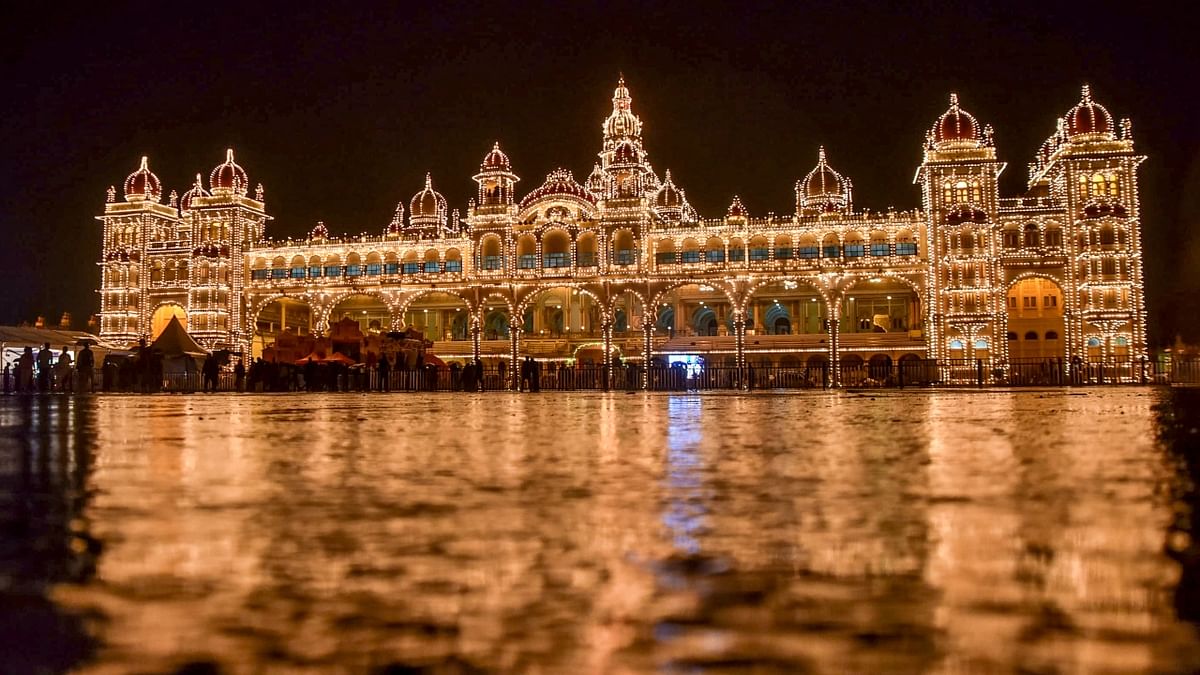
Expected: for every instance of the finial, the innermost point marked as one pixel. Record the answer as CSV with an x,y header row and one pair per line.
x,y
953,100
259,192
667,177
428,181
198,184
820,154
1087,94
496,146
229,155
111,194
145,164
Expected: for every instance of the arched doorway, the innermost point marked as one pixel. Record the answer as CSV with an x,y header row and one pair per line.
x,y
163,315
692,310
283,330
786,308
440,316
371,314
1035,321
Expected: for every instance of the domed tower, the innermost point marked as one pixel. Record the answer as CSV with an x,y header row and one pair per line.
x,y
496,182
668,201
959,181
823,190
136,230
623,156
395,229
428,216
1089,167
225,223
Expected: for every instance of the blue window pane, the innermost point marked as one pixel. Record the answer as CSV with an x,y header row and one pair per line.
x,y
297,272
665,258
527,262
391,268
279,273
432,267
453,265
808,252
556,260
783,253
333,270
493,262
906,248
354,270
714,255
412,268
626,256
880,249
314,271
259,275
587,259
759,254
830,251
691,256
855,250
374,269
737,254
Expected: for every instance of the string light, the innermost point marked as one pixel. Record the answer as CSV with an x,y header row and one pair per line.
x,y
624,241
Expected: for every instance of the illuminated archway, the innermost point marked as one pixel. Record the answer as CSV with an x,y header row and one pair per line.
x,y
163,315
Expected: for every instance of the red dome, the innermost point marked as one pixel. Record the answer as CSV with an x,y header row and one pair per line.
x,y
669,196
736,209
229,177
428,203
319,231
496,160
625,154
560,182
143,184
185,202
1088,117
956,125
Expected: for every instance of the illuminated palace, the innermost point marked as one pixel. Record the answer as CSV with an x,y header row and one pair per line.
x,y
621,265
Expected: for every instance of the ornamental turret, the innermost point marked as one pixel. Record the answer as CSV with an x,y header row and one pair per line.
x,y
823,190
428,215
623,157
496,182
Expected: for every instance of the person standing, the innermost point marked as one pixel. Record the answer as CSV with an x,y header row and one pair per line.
x,y
211,370
44,368
479,373
25,371
63,371
85,365
384,371
239,375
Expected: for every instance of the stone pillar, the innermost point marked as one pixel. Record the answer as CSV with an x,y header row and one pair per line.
x,y
647,347
514,355
476,329
835,347
739,345
606,329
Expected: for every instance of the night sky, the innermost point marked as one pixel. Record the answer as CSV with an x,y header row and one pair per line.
x,y
340,110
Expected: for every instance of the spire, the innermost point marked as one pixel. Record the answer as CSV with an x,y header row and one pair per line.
x,y
820,154
428,181
953,100
145,164
1087,93
228,155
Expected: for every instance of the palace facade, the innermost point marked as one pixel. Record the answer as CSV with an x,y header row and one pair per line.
x,y
621,265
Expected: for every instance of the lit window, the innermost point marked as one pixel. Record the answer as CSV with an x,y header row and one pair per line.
x,y
374,269
587,258
855,249
529,261
432,267
561,259
880,248
737,255
493,262
454,265
298,272
808,252
1050,301
664,257
714,255
411,268
759,254
906,248
626,256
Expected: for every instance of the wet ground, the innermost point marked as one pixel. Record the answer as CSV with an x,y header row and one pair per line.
x,y
926,532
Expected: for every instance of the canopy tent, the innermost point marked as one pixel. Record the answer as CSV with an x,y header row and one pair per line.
x,y
14,339
174,341
335,357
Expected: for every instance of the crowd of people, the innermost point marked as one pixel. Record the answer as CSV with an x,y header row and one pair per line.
x,y
43,373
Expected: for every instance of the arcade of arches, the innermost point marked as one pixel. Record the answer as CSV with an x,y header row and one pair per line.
x,y
1036,327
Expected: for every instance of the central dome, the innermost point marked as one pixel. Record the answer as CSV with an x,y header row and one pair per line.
x,y
229,178
428,204
1089,117
955,127
560,183
143,184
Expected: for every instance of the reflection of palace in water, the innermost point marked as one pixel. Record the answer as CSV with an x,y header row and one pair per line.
x,y
621,264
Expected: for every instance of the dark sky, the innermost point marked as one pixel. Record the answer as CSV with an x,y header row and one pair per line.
x,y
339,110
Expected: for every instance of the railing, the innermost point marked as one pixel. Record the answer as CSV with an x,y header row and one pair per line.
x,y
907,372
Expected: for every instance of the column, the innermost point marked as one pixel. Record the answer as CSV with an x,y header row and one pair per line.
x,y
606,329
476,329
647,346
835,348
739,345
514,336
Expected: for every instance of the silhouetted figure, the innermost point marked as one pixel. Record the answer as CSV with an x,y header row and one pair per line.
x,y
479,374
384,370
44,366
25,371
63,372
85,365
535,375
239,376
211,369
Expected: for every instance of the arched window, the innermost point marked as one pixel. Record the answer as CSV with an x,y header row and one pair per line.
x,y
491,257
981,344
1051,335
664,253
807,248
1108,236
714,250
783,247
879,244
527,258
1012,238
691,251
905,243
585,250
1031,235
623,251
1031,335
453,260
854,245
759,249
737,250
1053,236
830,247
1012,337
